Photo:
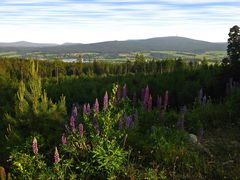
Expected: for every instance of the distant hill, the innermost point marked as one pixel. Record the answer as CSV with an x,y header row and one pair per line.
x,y
172,43
26,44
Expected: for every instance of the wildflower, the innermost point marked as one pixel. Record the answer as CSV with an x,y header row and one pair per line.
x,y
88,108
159,103
204,100
124,91
166,100
120,124
35,146
128,121
85,109
105,101
72,122
81,130
150,103
56,156
96,106
64,139
146,97
74,111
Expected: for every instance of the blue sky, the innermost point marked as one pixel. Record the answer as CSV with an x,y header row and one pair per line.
x,y
59,21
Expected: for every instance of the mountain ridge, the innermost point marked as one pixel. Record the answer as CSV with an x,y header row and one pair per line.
x,y
169,43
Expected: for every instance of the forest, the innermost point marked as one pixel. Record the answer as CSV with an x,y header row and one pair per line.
x,y
141,119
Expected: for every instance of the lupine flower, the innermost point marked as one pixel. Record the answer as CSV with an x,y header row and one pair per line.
x,y
165,100
128,121
95,123
124,91
150,103
96,106
35,146
56,156
81,130
88,108
74,111
72,122
146,97
84,109
64,139
105,101
118,91
159,103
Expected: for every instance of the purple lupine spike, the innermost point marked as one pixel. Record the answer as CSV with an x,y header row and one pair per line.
x,y
146,97
88,108
95,123
134,98
35,147
118,91
128,122
159,103
150,103
56,156
84,109
74,111
64,139
105,101
96,106
72,122
80,128
124,91
166,100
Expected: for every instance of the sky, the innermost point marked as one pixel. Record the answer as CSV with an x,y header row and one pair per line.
x,y
79,21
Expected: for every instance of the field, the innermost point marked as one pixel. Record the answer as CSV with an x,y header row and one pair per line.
x,y
137,119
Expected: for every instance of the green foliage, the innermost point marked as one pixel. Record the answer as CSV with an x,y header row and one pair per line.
x,y
233,49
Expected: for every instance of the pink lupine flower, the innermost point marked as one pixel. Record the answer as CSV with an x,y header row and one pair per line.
x,y
88,108
56,156
159,103
124,91
150,103
146,97
84,109
105,101
64,139
74,111
166,100
81,130
72,122
96,106
35,146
